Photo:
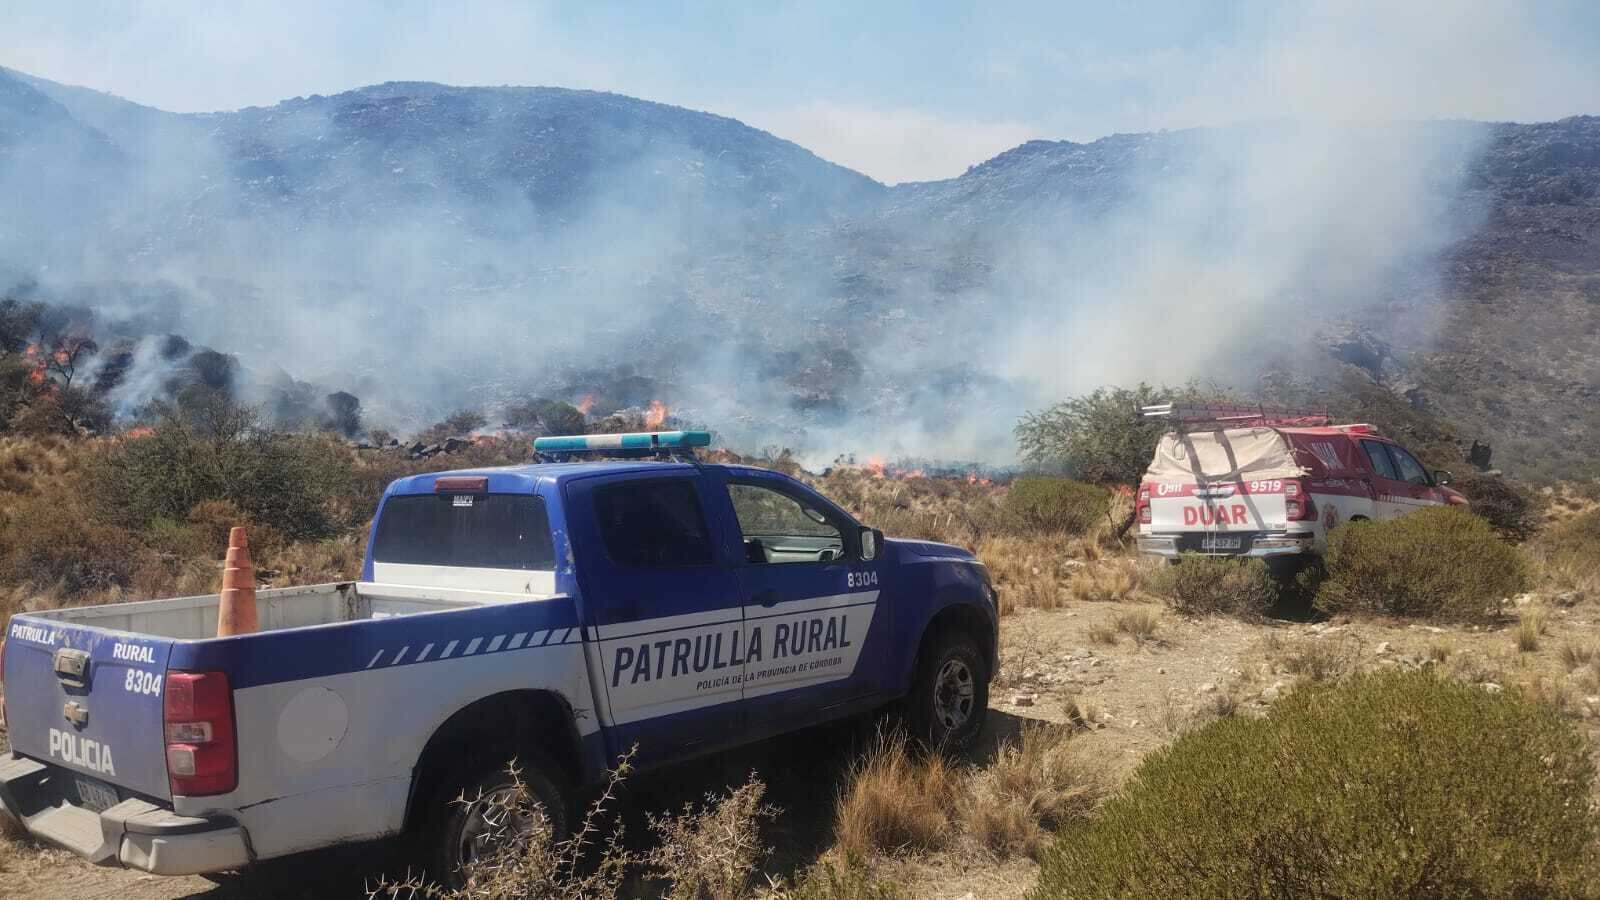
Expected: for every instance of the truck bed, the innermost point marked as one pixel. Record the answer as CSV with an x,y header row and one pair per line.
x,y
195,618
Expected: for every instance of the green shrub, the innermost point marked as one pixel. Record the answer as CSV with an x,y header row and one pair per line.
x,y
1384,785
1047,503
292,483
1438,563
50,542
1201,585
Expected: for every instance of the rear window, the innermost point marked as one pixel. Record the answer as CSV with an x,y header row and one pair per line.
x,y
653,523
481,531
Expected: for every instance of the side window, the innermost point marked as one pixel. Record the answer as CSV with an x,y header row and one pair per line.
x,y
653,523
1380,460
1410,469
778,528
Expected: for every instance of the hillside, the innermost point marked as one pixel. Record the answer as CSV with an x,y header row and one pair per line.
x,y
492,243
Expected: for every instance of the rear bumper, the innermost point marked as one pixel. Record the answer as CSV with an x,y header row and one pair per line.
x,y
134,833
1265,545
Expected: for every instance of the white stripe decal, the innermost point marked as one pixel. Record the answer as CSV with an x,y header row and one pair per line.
x,y
375,657
516,640
564,635
448,649
472,647
495,644
424,654
399,656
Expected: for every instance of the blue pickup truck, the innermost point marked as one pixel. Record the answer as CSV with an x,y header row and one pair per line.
x,y
558,613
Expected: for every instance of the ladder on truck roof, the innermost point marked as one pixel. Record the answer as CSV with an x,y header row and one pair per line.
x,y
1210,416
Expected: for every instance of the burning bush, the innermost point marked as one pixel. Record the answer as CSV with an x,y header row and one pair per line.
x,y
1385,785
1437,563
1045,503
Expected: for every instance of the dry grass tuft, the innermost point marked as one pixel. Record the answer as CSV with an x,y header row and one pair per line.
x,y
897,801
1325,658
1103,633
1578,655
1530,628
1109,581
1032,788
1439,651
1139,624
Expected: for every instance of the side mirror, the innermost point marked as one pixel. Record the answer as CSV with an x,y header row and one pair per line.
x,y
871,543
1442,477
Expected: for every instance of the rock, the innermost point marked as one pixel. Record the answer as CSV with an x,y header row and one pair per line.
x,y
1319,627
1207,688
1522,599
1384,647
1161,671
1492,688
1568,598
1274,691
1023,699
1029,674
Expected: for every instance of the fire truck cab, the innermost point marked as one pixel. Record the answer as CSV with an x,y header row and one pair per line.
x,y
1253,481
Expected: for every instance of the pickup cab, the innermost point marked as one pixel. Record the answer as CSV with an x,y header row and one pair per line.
x,y
1273,485
557,613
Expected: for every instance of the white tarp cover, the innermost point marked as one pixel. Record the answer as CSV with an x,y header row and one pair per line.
x,y
1233,454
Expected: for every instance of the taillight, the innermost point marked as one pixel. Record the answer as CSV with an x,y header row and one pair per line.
x,y
202,754
1143,505
1298,505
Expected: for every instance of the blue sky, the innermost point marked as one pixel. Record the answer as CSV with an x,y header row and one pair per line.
x,y
901,91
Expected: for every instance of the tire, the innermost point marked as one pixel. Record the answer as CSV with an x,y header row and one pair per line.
x,y
445,835
949,698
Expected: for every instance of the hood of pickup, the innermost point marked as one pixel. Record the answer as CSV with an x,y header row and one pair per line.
x,y
931,550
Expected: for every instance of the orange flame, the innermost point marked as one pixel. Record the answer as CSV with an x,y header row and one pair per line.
x,y
33,350
36,376
875,466
656,415
585,403
62,356
143,431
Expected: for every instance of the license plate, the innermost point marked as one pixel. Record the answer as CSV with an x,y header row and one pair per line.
x,y
1221,542
95,795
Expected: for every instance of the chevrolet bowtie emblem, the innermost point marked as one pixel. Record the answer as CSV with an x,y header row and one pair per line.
x,y
76,713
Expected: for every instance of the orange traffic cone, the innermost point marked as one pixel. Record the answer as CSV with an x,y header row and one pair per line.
x,y
237,614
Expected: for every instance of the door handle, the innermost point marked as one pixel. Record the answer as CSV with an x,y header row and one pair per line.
x,y
767,598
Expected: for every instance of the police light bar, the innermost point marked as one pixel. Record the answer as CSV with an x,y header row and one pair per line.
x,y
643,441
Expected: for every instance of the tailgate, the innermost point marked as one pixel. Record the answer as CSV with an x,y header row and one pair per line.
x,y
1234,506
89,700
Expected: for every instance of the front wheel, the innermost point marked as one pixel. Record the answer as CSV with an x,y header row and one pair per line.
x,y
950,697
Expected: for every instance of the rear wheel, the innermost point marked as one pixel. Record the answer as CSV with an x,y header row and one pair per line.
x,y
950,696
476,812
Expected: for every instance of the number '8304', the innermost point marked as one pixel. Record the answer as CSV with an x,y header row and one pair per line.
x,y
141,682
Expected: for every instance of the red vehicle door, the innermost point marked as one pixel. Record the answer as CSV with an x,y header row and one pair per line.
x,y
1419,484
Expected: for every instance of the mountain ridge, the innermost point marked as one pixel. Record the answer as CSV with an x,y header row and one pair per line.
x,y
794,297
